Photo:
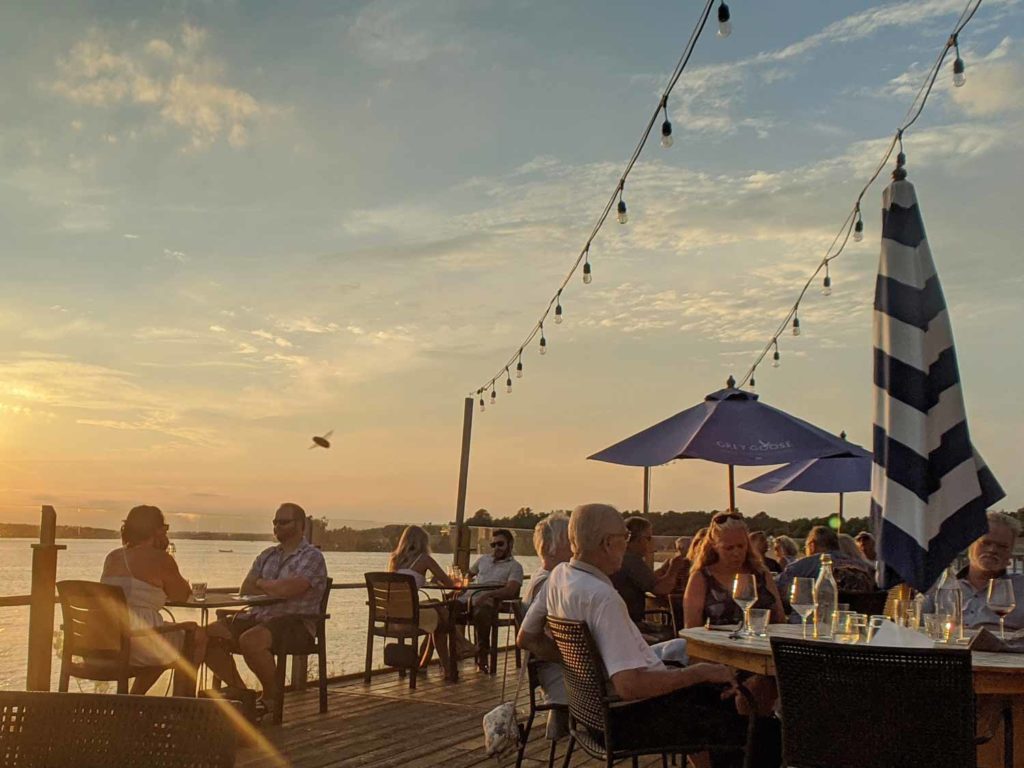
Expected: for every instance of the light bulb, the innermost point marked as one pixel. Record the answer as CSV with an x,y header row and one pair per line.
x,y
519,369
775,358
753,382
508,383
796,326
543,345
494,395
901,159
588,278
858,229
623,216
483,406
558,314
724,22
959,76
666,134
826,286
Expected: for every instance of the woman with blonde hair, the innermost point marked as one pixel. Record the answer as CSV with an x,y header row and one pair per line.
x,y
412,557
786,550
724,552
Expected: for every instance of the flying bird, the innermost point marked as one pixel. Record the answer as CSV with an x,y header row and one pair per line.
x,y
322,441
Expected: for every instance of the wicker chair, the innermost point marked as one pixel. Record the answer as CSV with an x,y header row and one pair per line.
x,y
310,645
591,705
535,707
849,706
91,730
98,635
394,611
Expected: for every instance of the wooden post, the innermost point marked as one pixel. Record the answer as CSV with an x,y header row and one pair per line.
x,y
40,617
300,664
732,488
647,490
461,558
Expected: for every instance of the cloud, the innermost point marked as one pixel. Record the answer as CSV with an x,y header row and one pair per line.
x,y
404,32
175,85
995,82
130,237
278,340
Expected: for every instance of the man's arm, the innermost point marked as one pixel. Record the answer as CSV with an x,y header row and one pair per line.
x,y
310,571
507,592
249,582
532,636
632,684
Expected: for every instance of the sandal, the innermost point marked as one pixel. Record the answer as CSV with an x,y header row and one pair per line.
x,y
264,707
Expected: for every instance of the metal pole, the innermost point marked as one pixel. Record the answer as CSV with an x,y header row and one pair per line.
x,y
461,532
840,528
732,489
40,616
647,490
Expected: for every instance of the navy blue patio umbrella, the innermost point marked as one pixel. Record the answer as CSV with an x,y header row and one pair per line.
x,y
733,427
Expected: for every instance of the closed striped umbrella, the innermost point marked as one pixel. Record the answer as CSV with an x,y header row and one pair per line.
x,y
929,488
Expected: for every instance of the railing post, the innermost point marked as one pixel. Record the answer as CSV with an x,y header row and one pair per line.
x,y
40,617
300,664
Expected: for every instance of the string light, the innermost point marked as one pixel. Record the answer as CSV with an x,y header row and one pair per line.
x,y
796,325
724,20
615,201
666,129
558,309
853,225
494,394
753,382
959,75
483,406
508,382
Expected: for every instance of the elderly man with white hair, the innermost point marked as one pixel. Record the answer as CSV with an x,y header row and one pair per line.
x,y
687,701
988,558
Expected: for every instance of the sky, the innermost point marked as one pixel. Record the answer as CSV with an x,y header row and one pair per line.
x,y
229,226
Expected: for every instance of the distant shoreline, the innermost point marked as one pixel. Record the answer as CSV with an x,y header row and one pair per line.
x,y
31,531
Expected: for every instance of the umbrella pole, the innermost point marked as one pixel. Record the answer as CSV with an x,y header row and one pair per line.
x,y
839,530
732,488
647,490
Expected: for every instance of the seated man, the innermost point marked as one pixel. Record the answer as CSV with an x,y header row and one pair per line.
x,y
851,575
636,578
677,702
500,569
866,545
294,571
988,558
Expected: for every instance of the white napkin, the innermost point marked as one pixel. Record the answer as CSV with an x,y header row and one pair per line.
x,y
895,636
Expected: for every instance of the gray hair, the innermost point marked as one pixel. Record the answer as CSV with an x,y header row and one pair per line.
x,y
549,533
787,545
1005,520
590,524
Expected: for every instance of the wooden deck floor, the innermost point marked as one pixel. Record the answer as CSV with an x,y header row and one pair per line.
x,y
385,724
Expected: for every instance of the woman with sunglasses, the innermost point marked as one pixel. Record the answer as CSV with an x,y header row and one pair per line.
x,y
149,576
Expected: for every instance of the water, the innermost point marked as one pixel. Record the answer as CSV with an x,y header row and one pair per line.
x,y
198,561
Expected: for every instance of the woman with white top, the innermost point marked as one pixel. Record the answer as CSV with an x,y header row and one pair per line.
x,y
149,576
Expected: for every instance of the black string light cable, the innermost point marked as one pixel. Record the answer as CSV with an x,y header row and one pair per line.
x,y
853,225
617,200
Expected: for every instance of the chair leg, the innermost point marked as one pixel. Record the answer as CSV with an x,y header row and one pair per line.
x,y
122,685
321,660
568,751
1008,737
64,681
369,655
636,761
279,675
551,754
492,662
526,737
664,761
413,673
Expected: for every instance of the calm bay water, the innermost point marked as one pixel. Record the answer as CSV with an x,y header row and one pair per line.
x,y
199,561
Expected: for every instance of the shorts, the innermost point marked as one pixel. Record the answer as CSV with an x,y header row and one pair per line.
x,y
286,630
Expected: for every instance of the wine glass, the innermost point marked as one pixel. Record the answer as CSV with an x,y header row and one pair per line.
x,y
744,593
1001,600
801,597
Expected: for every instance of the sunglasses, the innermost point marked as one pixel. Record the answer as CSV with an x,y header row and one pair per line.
x,y
278,523
497,544
721,517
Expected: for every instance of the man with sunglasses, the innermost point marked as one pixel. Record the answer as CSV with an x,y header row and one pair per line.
x,y
499,569
294,571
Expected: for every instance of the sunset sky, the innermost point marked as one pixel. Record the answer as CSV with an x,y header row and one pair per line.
x,y
229,226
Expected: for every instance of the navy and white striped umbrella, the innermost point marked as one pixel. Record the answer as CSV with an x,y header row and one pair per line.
x,y
929,487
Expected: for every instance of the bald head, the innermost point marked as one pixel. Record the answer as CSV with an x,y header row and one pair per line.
x,y
590,524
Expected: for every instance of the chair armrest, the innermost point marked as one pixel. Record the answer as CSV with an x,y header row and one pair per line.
x,y
166,629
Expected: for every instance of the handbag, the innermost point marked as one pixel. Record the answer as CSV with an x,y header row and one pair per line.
x,y
401,655
502,732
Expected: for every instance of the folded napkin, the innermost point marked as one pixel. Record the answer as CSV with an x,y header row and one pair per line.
x,y
986,641
895,636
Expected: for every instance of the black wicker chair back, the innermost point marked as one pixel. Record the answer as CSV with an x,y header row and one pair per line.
x,y
849,706
90,730
585,677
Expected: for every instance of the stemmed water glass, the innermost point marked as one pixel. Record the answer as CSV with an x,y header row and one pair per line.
x,y
744,592
1001,600
801,597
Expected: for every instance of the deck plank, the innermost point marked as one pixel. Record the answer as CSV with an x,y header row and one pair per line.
x,y
384,724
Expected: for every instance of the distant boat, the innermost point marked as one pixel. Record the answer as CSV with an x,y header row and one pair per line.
x,y
225,550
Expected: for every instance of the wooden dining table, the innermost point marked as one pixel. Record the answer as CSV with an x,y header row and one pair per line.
x,y
998,676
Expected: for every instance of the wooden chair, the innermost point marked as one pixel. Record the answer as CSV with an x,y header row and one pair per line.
x,y
98,635
394,612
308,645
593,709
91,730
908,705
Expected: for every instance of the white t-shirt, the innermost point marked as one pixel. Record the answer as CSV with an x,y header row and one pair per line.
x,y
578,591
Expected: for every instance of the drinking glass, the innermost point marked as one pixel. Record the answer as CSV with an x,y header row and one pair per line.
x,y
759,621
801,597
847,627
932,625
1001,600
744,592
199,591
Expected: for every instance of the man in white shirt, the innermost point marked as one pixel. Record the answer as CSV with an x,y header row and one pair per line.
x,y
683,704
499,569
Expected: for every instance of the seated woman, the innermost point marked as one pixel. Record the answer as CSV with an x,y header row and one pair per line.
x,y
148,575
786,551
412,557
